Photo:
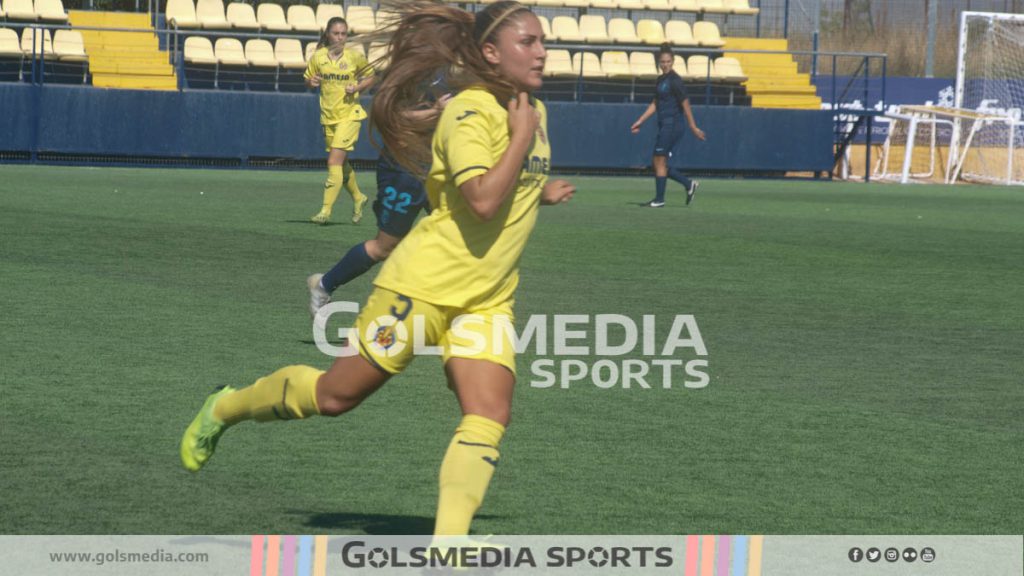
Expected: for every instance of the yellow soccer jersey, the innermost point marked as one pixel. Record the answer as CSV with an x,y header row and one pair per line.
x,y
451,257
351,67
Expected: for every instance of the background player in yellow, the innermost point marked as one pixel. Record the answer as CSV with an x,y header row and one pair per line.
x,y
490,158
341,74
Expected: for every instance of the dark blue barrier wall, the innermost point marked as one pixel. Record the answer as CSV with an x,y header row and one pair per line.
x,y
74,120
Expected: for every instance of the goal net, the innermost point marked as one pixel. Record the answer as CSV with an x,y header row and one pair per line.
x,y
990,82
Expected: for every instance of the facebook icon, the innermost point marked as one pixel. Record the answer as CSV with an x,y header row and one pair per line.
x,y
856,554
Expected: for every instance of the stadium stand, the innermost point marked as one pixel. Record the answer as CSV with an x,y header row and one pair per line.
x,y
587,65
260,53
615,64
643,65
271,18
679,33
181,14
129,57
622,31
288,53
361,19
20,10
69,46
325,12
594,29
37,41
706,34
559,64
712,7
741,7
650,32
566,29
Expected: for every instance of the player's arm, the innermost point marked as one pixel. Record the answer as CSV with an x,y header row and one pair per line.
x,y
430,113
643,118
557,192
311,76
486,192
364,84
689,120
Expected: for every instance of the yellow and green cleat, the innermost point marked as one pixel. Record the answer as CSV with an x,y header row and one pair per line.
x,y
321,217
357,209
201,436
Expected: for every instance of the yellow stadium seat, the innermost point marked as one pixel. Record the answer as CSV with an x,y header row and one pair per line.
x,y
622,31
229,52
643,65
678,33
361,19
325,12
615,64
545,27
241,16
21,10
587,65
10,44
729,69
302,19
43,43
700,67
180,14
630,4
288,53
51,11
679,66
685,5
594,29
310,48
260,53
356,47
210,15
706,34
566,29
386,17
650,32
378,55
69,46
661,5
741,7
271,17
3,13
559,64
545,3
712,7
199,50
577,3
604,4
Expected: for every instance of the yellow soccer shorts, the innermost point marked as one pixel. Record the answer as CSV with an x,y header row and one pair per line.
x,y
393,329
342,135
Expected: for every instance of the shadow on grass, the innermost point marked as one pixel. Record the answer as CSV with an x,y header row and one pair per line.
x,y
375,524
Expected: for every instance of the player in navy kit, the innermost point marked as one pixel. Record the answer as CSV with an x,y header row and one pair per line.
x,y
672,106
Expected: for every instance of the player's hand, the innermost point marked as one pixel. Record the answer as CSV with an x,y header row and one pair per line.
x,y
350,89
315,81
443,101
699,134
635,128
523,120
557,192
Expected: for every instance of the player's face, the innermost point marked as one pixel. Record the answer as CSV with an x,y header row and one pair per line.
x,y
337,35
665,63
519,53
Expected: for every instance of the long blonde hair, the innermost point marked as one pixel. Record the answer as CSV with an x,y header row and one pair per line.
x,y
429,39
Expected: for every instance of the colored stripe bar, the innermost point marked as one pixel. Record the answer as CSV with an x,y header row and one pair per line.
x,y
305,556
692,551
739,555
320,557
723,555
288,557
707,556
754,568
273,555
256,556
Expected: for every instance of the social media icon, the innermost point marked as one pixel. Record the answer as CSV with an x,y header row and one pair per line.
x,y
856,554
874,554
927,554
892,554
909,554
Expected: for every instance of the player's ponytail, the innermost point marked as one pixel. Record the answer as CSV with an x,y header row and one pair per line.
x,y
430,39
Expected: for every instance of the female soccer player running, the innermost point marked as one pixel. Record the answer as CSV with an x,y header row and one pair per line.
x,y
488,176
341,74
671,103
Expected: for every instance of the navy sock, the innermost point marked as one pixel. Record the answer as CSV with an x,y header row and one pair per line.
x,y
659,188
354,264
677,175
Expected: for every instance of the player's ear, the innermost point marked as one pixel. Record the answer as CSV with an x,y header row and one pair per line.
x,y
491,53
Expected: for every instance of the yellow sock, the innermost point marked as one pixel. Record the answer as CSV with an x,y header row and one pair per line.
x,y
289,393
465,473
350,182
335,176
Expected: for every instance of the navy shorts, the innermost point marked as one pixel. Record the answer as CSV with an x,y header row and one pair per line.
x,y
400,197
669,135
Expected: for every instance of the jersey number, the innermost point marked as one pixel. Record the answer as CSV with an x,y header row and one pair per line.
x,y
404,199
